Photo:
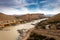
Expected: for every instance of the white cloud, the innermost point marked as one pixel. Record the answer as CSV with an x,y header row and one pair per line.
x,y
55,4
24,10
43,1
11,11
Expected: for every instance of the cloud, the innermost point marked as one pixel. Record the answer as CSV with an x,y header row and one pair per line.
x,y
14,3
51,3
6,3
23,3
29,6
12,11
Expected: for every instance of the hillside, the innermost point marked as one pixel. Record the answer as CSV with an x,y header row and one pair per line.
x,y
55,18
4,17
51,23
30,17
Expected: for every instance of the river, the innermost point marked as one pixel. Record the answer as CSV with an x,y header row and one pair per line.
x,y
10,32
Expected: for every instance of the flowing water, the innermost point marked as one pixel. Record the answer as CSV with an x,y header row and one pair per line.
x,y
10,32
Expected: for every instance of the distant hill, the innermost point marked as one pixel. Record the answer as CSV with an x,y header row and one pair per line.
x,y
29,17
4,17
55,18
24,18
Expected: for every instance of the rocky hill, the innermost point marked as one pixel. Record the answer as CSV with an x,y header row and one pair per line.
x,y
51,23
30,17
4,17
55,18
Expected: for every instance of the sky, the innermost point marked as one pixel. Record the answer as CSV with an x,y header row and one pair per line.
x,y
19,7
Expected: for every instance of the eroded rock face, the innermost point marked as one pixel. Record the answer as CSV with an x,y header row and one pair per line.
x,y
29,17
4,17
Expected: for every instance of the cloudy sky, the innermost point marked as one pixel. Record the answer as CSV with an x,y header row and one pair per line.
x,y
29,6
